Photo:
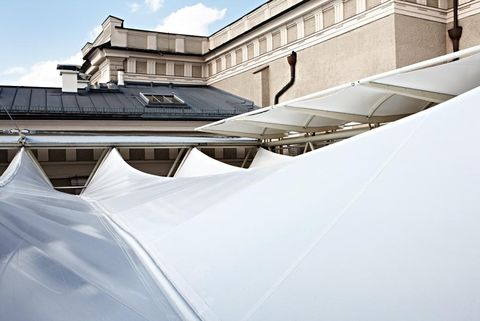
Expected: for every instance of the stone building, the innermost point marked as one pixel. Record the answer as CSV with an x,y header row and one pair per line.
x,y
336,42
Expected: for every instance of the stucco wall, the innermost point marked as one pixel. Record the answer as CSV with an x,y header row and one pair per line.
x,y
362,52
470,32
418,40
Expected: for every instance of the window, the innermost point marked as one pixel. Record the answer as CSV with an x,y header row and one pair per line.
x,y
262,45
218,65
154,100
276,40
197,71
291,33
250,51
179,70
161,68
230,153
84,154
228,60
162,153
309,25
238,56
209,152
57,155
3,156
137,154
141,67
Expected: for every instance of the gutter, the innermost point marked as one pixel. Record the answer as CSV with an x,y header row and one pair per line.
x,y
292,61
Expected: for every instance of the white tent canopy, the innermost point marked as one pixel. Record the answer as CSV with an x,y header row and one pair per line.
x,y
265,157
381,98
383,226
197,163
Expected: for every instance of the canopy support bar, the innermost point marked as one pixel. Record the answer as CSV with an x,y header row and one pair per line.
x,y
318,138
411,92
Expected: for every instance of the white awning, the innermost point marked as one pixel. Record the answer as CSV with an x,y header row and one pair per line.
x,y
381,98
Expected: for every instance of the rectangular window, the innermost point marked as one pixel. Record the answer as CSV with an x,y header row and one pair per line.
x,y
154,100
197,71
84,155
276,40
238,56
228,60
230,153
141,67
291,33
250,51
3,156
162,154
262,43
329,17
349,9
57,155
309,25
161,68
209,152
179,70
137,154
218,65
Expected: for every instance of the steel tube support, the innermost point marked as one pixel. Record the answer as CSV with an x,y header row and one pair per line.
x,y
318,138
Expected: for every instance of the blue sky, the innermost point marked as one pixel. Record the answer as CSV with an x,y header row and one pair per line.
x,y
36,35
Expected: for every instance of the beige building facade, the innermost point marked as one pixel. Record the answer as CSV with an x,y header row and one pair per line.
x,y
336,42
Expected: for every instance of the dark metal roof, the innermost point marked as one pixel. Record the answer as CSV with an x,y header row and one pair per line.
x,y
201,103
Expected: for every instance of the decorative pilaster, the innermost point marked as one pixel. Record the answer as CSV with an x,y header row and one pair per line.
x,y
338,9
151,67
268,38
361,6
131,65
152,42
318,21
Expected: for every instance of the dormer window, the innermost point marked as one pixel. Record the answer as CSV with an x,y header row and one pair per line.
x,y
157,100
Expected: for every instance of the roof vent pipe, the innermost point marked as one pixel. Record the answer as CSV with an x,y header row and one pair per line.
x,y
121,77
292,61
69,75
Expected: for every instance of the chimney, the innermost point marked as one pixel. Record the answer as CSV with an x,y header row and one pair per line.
x,y
121,77
69,75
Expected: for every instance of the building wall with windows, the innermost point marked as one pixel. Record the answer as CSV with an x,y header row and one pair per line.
x,y
336,42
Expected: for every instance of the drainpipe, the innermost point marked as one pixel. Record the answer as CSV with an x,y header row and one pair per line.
x,y
292,61
456,32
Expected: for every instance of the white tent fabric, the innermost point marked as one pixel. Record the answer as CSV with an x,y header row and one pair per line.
x,y
265,157
61,260
382,226
198,164
273,122
381,98
361,104
453,78
388,237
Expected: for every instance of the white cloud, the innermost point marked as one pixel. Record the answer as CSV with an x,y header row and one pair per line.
x,y
95,32
151,5
17,70
154,5
134,7
191,20
44,73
